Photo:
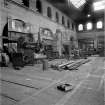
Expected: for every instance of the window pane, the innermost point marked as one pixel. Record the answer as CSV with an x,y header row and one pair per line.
x,y
99,24
63,20
73,27
57,17
49,12
89,26
68,24
26,2
39,6
80,27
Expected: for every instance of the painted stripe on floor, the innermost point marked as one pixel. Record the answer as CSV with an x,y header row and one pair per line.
x,y
96,76
66,97
55,82
102,81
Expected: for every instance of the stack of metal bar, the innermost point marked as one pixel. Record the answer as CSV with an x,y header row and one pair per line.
x,y
76,64
57,62
69,65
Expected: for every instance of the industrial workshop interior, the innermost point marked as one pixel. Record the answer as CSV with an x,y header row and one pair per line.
x,y
52,52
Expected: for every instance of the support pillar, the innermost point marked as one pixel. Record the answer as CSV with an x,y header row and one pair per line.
x,y
95,42
59,42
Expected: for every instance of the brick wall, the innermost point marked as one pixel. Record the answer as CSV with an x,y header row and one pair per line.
x,y
37,20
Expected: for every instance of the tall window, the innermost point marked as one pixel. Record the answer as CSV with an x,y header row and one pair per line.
x,y
80,27
57,17
68,24
39,5
26,2
89,26
72,26
63,20
49,12
99,25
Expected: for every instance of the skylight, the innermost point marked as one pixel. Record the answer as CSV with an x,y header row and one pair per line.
x,y
77,3
99,5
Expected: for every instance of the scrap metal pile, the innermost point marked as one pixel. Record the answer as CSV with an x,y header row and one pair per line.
x,y
68,65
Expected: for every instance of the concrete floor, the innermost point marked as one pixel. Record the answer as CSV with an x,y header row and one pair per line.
x,y
33,86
